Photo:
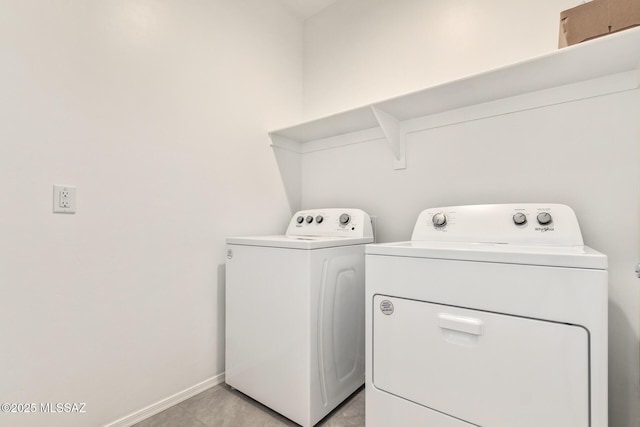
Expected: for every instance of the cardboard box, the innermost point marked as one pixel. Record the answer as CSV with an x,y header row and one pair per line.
x,y
597,18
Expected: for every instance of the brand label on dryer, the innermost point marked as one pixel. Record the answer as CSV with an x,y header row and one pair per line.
x,y
386,307
544,229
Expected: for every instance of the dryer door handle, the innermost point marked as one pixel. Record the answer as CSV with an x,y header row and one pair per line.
x,y
467,325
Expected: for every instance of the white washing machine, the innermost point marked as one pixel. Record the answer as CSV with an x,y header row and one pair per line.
x,y
493,316
295,313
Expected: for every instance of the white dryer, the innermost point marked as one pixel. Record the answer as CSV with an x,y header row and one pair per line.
x,y
295,313
493,316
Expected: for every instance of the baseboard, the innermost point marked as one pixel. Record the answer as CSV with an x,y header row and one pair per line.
x,y
168,402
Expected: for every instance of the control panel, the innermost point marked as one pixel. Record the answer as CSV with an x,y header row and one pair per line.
x,y
529,223
331,222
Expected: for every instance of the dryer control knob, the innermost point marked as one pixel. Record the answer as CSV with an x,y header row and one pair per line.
x,y
300,219
309,219
319,219
544,218
520,218
439,220
344,219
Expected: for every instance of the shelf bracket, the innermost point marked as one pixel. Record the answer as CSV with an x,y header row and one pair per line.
x,y
394,135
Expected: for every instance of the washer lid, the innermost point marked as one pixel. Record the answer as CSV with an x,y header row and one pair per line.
x,y
298,242
555,256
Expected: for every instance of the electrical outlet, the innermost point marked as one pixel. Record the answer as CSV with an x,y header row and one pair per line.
x,y
64,199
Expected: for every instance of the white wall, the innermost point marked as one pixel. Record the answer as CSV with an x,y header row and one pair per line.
x,y
157,111
360,51
582,153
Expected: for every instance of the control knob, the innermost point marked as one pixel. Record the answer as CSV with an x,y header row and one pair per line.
x,y
309,219
319,219
520,218
544,218
344,219
439,219
300,219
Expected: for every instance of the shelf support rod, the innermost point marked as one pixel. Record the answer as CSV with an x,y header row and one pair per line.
x,y
394,135
288,155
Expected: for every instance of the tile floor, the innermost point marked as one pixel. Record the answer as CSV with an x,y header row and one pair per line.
x,y
222,406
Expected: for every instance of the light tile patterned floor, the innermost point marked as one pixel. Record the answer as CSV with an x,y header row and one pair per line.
x,y
222,406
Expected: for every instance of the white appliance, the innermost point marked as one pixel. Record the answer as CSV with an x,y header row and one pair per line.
x,y
295,313
493,316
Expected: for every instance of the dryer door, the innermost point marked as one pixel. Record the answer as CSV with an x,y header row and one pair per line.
x,y
484,368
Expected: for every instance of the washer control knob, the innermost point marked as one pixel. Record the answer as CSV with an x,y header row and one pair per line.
x,y
544,218
309,219
520,218
319,219
300,219
345,219
439,220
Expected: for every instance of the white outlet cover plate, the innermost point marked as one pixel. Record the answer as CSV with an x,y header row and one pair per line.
x,y
62,204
